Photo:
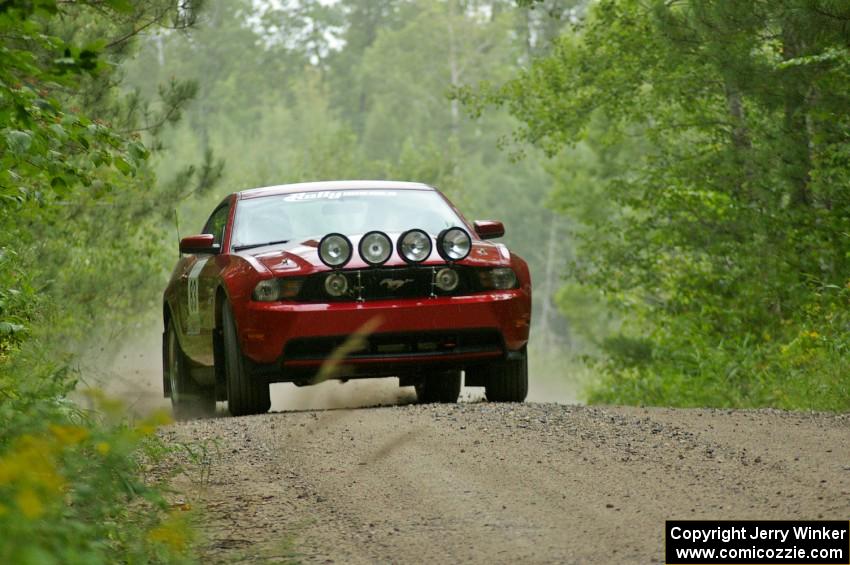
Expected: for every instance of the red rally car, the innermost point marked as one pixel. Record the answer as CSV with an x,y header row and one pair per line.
x,y
337,280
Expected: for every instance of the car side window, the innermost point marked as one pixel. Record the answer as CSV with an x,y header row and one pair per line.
x,y
217,222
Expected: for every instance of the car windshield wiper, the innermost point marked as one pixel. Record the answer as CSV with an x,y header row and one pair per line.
x,y
253,245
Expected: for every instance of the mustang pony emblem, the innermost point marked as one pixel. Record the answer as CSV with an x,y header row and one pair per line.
x,y
394,284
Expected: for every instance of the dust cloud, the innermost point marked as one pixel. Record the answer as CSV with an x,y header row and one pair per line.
x,y
336,394
132,372
553,382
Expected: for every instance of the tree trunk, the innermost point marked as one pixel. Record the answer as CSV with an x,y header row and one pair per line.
x,y
741,142
454,69
797,151
549,286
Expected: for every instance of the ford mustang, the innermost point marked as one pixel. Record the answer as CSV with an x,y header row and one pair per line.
x,y
339,280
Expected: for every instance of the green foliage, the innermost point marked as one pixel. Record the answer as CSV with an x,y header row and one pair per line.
x,y
803,366
80,212
45,148
70,486
721,243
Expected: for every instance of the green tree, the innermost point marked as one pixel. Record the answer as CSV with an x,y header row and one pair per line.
x,y
725,246
80,211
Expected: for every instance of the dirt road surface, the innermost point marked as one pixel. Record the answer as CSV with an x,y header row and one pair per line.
x,y
487,483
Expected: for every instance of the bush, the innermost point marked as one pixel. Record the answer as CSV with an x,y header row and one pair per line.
x,y
72,487
799,363
77,201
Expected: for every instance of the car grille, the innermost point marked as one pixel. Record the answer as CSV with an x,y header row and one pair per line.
x,y
386,283
399,345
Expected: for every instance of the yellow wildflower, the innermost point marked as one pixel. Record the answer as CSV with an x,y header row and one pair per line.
x,y
31,462
69,435
172,532
149,425
29,503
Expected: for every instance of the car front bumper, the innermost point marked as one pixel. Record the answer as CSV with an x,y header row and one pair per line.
x,y
446,330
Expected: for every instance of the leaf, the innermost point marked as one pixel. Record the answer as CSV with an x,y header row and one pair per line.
x,y
59,132
18,141
123,6
8,328
58,183
122,165
70,120
830,55
101,158
138,151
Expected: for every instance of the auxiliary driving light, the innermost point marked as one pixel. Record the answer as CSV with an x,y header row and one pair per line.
x,y
447,279
375,248
454,244
335,250
414,246
336,284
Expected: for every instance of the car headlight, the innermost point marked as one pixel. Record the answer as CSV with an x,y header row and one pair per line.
x,y
446,279
336,284
454,244
501,278
269,290
414,246
335,250
375,248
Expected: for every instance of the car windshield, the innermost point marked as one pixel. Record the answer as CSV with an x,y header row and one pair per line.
x,y
303,215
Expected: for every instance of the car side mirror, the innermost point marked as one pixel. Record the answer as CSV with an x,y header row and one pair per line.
x,y
488,229
204,243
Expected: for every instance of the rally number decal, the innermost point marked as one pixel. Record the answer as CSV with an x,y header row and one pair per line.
x,y
193,320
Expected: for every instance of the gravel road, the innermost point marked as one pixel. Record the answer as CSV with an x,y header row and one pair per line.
x,y
511,483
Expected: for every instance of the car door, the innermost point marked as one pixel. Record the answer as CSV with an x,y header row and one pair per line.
x,y
201,282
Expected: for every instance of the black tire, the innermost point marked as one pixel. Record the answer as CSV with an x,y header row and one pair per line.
x,y
443,387
188,399
245,395
507,381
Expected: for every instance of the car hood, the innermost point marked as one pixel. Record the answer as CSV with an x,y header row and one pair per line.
x,y
302,257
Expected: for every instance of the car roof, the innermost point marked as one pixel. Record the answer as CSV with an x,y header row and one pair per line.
x,y
333,185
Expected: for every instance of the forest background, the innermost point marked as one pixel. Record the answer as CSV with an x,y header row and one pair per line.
x,y
676,174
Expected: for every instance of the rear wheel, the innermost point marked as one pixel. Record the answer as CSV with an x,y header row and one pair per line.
x,y
188,398
507,381
441,387
245,395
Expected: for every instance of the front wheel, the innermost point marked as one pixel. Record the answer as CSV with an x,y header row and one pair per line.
x,y
188,398
245,395
441,387
507,381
